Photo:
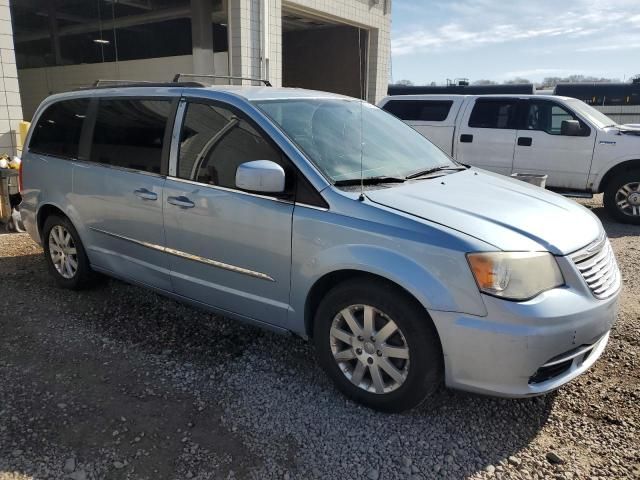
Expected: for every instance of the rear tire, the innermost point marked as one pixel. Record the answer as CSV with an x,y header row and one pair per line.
x,y
622,197
390,359
65,255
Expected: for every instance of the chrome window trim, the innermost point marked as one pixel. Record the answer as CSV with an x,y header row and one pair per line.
x,y
189,256
232,190
50,155
89,163
313,207
175,137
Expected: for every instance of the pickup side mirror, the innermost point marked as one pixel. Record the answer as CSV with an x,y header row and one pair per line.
x,y
571,128
260,176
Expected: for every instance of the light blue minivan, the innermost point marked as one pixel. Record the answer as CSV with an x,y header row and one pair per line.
x,y
323,216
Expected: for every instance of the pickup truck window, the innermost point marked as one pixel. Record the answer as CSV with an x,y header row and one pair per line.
x,y
548,117
494,113
419,110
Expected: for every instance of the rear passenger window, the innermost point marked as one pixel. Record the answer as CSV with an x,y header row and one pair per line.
x,y
215,141
494,114
419,110
130,133
57,132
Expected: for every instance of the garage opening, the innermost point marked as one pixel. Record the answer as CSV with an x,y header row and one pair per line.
x,y
66,44
323,55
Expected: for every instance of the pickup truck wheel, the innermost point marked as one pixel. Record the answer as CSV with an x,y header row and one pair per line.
x,y
65,255
378,346
622,197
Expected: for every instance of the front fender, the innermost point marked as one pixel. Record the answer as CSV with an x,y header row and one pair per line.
x,y
431,290
602,170
440,280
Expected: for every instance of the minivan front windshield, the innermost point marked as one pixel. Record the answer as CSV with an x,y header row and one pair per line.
x,y
347,139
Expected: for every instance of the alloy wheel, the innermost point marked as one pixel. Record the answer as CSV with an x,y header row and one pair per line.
x,y
628,199
369,349
63,252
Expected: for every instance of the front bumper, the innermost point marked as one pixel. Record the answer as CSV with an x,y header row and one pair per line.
x,y
523,349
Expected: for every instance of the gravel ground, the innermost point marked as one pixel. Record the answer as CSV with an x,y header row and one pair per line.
x,y
119,383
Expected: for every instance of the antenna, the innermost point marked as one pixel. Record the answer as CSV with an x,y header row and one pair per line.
x,y
361,197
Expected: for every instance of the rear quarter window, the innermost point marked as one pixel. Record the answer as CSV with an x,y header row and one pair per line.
x,y
419,110
500,114
130,133
58,130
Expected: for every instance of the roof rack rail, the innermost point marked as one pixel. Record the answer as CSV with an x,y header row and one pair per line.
x,y
107,84
104,82
177,77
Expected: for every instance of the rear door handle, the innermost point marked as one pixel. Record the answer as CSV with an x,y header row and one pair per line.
x,y
525,141
145,194
181,201
466,138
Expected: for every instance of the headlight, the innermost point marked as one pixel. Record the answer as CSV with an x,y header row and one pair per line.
x,y
515,275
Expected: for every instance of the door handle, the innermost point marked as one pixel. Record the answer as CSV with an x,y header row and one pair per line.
x,y
145,194
466,138
525,141
181,201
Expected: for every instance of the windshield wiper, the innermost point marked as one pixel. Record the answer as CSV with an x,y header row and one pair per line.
x,y
422,173
368,181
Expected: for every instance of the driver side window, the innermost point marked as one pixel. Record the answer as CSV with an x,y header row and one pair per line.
x,y
214,142
547,117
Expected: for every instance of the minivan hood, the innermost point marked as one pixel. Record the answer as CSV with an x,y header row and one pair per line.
x,y
507,213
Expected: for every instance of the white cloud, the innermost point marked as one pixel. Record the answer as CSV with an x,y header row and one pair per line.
x,y
589,25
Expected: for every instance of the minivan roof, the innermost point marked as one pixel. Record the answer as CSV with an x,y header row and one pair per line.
x,y
249,93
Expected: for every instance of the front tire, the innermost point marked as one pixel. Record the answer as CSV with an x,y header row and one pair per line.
x,y
622,197
65,255
378,345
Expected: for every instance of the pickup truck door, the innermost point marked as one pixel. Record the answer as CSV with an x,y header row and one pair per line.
x,y
487,134
542,149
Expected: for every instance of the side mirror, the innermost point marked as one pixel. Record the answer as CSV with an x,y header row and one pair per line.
x,y
260,176
570,128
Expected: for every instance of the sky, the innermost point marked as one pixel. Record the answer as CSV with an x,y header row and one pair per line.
x,y
433,40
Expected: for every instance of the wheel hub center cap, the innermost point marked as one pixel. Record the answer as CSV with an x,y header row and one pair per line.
x,y
370,348
634,199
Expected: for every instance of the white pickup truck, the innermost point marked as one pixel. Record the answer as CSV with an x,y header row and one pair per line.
x,y
580,149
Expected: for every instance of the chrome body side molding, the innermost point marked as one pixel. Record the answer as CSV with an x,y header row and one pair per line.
x,y
195,258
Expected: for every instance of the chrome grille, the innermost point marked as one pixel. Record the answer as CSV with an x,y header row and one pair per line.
x,y
598,267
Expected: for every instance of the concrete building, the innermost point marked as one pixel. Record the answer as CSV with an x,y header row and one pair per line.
x,y
10,106
49,46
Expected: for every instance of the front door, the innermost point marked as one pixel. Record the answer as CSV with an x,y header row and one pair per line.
x,y
228,248
487,135
542,149
117,192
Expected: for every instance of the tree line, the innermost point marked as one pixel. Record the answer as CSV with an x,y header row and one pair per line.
x,y
547,82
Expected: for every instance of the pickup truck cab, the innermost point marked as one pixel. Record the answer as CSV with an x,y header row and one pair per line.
x,y
580,149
